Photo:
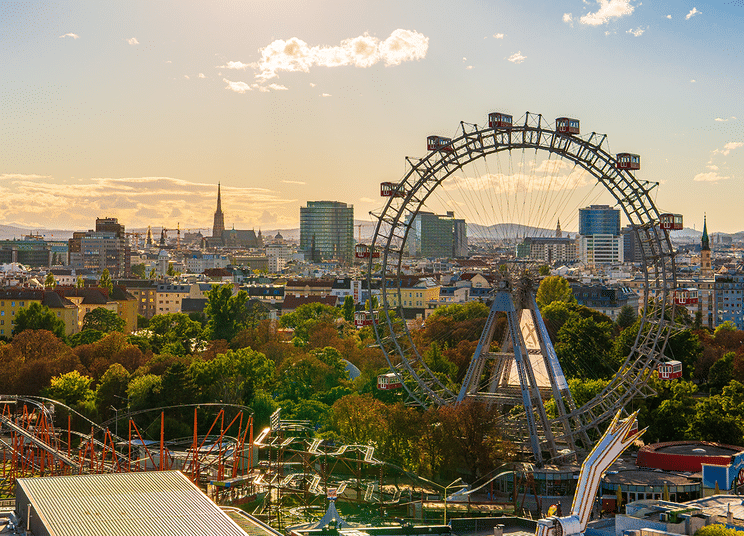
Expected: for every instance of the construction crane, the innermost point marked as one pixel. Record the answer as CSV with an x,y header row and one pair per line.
x,y
178,230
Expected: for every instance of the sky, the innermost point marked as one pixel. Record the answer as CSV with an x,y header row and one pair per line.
x,y
137,109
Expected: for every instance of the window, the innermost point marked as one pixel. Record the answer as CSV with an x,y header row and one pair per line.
x,y
12,304
22,304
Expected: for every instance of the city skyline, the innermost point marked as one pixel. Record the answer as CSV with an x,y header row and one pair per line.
x,y
137,110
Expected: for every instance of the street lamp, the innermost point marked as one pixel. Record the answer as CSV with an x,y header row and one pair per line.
x,y
457,482
116,423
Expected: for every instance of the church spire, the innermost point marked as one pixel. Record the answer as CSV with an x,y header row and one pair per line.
x,y
558,232
705,242
219,218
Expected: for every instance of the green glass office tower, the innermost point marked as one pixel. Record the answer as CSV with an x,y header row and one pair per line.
x,y
327,231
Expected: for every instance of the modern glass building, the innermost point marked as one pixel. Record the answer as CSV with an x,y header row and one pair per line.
x,y
434,236
599,219
327,231
600,240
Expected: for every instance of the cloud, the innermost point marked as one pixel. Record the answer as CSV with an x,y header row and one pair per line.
x,y
295,55
469,67
712,167
277,87
554,175
237,87
74,36
234,65
669,16
711,176
186,76
608,10
694,11
728,148
294,182
721,120
325,95
366,200
133,41
693,81
637,32
312,85
516,57
168,61
568,18
498,36
137,202
201,75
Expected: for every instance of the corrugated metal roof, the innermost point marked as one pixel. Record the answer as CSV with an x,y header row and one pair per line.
x,y
152,503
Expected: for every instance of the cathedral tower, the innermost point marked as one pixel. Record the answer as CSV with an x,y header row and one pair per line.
x,y
219,218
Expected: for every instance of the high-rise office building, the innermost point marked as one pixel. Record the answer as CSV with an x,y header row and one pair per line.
x,y
600,240
327,231
435,236
106,247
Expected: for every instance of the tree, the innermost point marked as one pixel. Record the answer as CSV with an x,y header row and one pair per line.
x,y
139,270
544,270
554,288
627,317
105,281
232,377
175,329
719,418
49,281
728,325
112,389
88,336
227,313
79,282
144,391
171,271
720,373
716,530
103,320
583,347
152,274
348,309
69,388
37,316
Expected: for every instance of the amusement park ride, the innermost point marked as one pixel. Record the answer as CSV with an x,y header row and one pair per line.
x,y
525,372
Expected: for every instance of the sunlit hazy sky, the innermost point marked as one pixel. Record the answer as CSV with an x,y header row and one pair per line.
x,y
137,109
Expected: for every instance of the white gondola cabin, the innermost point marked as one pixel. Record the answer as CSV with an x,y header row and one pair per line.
x,y
671,222
438,143
364,318
628,161
391,189
670,370
388,381
566,125
686,296
499,120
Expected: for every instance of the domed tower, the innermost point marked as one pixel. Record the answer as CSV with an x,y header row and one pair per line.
x,y
706,268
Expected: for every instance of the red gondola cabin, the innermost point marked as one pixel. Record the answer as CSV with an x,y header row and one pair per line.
x,y
566,125
364,318
499,120
388,381
671,222
686,296
628,161
670,370
361,251
438,143
391,189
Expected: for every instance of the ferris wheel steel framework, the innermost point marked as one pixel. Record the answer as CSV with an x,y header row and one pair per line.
x,y
632,197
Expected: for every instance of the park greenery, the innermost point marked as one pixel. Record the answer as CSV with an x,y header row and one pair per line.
x,y
236,355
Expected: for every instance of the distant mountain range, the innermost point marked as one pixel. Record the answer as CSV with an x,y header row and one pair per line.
x,y
366,229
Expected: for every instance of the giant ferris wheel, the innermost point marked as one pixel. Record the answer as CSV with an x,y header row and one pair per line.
x,y
511,179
